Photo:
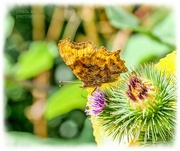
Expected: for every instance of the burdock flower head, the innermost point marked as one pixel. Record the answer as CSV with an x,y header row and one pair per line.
x,y
141,108
96,102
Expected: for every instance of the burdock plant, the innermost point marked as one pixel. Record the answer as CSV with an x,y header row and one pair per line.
x,y
138,109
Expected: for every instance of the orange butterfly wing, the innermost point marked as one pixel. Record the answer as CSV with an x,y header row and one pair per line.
x,y
91,65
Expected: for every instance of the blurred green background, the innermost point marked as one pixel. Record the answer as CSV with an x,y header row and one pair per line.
x,y
39,111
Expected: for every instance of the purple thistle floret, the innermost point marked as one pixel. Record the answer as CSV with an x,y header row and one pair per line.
x,y
96,102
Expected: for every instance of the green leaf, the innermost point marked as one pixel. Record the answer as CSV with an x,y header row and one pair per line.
x,y
120,18
87,132
67,98
155,17
165,30
141,48
34,61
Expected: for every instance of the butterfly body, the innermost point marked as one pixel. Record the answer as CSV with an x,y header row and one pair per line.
x,y
91,65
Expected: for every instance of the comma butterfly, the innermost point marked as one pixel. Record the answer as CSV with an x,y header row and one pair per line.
x,y
91,65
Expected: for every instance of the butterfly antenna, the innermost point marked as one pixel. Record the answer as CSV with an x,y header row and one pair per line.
x,y
62,83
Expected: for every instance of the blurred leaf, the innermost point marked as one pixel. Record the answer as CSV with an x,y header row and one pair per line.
x,y
36,60
87,132
155,17
53,48
140,47
67,98
165,30
120,18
